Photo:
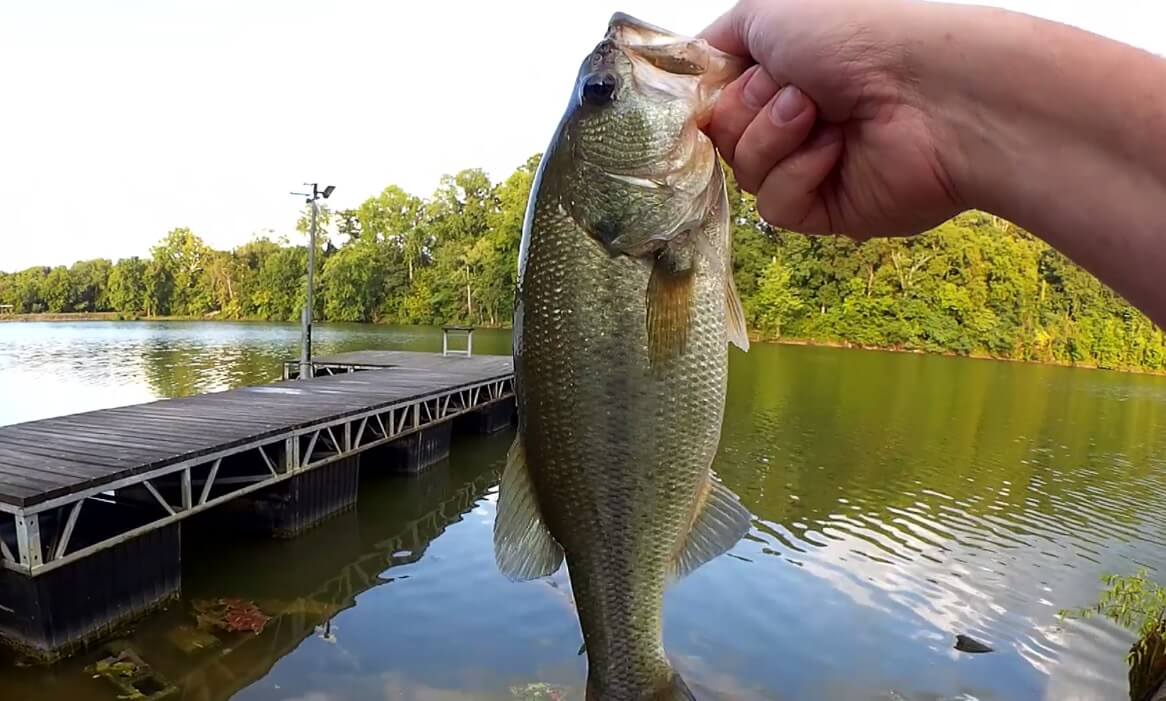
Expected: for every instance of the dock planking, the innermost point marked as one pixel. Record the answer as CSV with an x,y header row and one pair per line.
x,y
49,458
96,500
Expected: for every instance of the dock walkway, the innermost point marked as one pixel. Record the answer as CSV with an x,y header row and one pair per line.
x,y
74,486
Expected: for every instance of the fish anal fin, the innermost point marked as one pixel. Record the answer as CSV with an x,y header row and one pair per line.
x,y
523,547
721,520
669,308
735,314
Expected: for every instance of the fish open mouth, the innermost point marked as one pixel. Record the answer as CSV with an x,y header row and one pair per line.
x,y
677,55
624,28
670,51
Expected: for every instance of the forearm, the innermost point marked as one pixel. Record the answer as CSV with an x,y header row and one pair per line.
x,y
1061,132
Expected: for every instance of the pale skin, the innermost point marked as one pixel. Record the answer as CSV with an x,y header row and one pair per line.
x,y
867,118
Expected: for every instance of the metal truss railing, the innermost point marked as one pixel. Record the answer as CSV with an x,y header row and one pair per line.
x,y
41,538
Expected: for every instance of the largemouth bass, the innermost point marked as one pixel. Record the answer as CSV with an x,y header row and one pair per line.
x,y
624,313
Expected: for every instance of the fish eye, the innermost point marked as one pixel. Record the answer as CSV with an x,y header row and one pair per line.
x,y
599,89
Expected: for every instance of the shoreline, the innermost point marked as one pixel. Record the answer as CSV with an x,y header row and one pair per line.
x,y
92,316
845,345
753,337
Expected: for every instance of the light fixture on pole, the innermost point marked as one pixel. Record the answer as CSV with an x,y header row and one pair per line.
x,y
306,318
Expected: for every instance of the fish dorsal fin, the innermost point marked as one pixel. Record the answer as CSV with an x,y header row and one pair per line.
x,y
735,313
720,522
523,547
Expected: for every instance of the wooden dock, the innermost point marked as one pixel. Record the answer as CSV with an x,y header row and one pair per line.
x,y
75,487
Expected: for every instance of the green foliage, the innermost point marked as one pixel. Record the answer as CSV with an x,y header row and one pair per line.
x,y
351,282
282,284
127,285
1135,602
89,282
1138,604
182,260
975,285
58,291
776,300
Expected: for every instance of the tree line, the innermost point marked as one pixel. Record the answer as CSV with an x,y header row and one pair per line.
x,y
975,285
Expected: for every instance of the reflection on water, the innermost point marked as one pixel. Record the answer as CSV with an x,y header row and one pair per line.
x,y
899,500
49,369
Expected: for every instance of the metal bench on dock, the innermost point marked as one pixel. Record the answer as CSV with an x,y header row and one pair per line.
x,y
469,333
91,504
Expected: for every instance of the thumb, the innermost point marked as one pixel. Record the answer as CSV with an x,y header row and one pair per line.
x,y
729,31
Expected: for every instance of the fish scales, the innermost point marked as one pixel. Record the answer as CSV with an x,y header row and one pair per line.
x,y
632,444
623,317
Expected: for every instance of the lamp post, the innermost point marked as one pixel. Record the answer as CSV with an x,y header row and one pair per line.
x,y
306,318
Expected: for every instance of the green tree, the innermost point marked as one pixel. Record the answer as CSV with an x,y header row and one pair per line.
x,y
776,301
127,285
975,285
159,289
352,282
25,290
58,291
396,218
459,214
91,285
183,259
282,284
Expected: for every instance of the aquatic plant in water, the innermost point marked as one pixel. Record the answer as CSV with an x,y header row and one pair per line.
x,y
230,614
537,692
132,677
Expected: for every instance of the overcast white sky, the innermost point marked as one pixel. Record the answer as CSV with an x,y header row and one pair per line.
x,y
120,120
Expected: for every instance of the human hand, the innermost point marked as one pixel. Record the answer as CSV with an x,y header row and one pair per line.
x,y
834,129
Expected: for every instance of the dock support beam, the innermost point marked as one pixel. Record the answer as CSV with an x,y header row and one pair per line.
x,y
414,452
63,611
290,507
491,418
28,539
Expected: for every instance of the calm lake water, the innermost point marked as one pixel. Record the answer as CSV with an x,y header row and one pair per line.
x,y
898,500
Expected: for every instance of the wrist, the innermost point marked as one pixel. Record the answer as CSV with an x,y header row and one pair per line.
x,y
1055,129
1024,110
961,83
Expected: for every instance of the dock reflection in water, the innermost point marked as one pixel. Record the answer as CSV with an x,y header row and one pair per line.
x,y
304,584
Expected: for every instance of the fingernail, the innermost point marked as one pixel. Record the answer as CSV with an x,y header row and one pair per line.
x,y
758,90
789,104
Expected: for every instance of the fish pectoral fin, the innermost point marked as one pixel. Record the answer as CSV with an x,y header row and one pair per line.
x,y
720,522
735,314
523,547
669,307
